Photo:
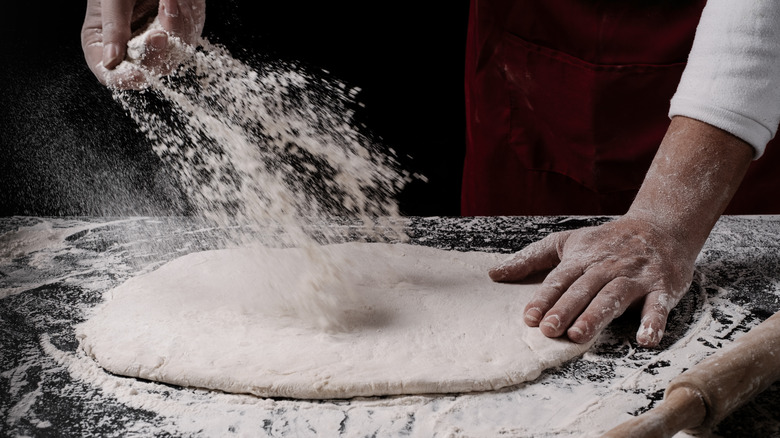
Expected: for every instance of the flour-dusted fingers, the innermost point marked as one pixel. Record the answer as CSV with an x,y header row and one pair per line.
x,y
107,27
156,60
539,256
611,302
131,78
573,301
603,270
116,17
156,56
552,288
95,42
179,21
655,311
183,19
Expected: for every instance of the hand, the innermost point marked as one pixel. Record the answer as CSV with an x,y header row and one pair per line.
x,y
645,256
598,273
109,25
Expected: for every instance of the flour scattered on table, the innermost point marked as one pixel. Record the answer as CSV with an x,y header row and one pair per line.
x,y
48,380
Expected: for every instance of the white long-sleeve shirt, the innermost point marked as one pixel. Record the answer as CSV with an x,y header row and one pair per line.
x,y
732,80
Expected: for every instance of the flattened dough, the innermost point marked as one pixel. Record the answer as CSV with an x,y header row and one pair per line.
x,y
429,321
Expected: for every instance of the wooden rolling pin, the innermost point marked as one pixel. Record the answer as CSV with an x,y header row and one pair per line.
x,y
701,397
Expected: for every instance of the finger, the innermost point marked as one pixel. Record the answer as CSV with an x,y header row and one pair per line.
x,y
611,302
655,311
129,78
92,39
553,286
116,16
182,18
172,18
156,56
573,301
536,257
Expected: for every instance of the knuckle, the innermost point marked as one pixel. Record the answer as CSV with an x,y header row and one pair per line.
x,y
553,289
663,304
579,294
110,27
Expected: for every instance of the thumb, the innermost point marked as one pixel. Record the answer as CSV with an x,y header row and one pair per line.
x,y
116,17
536,257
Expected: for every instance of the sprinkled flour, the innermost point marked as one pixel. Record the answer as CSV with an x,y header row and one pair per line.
x,y
269,147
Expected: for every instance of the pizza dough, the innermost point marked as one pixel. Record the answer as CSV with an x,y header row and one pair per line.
x,y
417,320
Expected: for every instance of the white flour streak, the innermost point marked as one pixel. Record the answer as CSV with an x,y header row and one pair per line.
x,y
270,147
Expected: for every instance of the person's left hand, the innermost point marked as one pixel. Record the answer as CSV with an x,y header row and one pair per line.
x,y
599,272
109,25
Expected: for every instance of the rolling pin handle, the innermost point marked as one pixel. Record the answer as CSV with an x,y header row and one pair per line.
x,y
682,408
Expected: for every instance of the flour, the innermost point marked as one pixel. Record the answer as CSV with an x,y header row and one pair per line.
x,y
49,374
273,147
47,379
253,147
30,240
35,244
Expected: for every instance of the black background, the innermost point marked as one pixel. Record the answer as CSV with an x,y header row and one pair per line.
x,y
68,149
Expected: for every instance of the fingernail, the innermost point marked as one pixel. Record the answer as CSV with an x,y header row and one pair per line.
x,y
552,322
110,55
533,315
158,41
576,331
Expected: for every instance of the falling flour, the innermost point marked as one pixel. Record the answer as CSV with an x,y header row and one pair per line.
x,y
273,147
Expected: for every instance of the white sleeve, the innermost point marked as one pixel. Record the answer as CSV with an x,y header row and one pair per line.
x,y
732,80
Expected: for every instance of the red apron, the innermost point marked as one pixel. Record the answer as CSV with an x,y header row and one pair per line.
x,y
567,102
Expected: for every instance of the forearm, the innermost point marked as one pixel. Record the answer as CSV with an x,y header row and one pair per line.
x,y
694,175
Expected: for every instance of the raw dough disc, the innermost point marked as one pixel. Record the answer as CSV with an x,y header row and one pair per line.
x,y
429,321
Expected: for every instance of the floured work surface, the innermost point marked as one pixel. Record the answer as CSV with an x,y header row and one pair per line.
x,y
48,385
423,321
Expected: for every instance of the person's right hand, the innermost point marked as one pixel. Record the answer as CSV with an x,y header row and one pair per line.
x,y
599,272
109,25
645,256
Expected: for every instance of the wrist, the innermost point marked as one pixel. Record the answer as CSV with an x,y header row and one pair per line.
x,y
687,240
693,176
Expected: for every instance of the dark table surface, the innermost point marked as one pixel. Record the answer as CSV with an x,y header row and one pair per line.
x,y
54,271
